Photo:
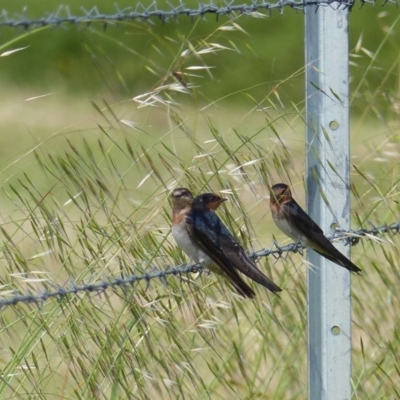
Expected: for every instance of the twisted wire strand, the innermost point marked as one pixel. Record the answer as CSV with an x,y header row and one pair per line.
x,y
351,237
141,12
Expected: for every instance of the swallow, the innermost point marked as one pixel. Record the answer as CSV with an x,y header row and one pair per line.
x,y
294,222
182,200
200,233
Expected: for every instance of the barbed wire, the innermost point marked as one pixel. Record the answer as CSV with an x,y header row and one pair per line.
x,y
351,237
141,12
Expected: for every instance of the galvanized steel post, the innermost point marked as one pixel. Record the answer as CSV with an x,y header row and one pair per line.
x,y
327,146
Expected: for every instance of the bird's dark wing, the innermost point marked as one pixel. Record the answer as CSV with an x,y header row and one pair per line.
x,y
326,249
299,218
203,229
218,243
234,252
316,238
334,255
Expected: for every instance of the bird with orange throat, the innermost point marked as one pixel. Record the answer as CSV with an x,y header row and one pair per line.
x,y
294,222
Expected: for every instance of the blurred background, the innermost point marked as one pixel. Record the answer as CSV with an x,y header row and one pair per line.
x,y
127,58
99,121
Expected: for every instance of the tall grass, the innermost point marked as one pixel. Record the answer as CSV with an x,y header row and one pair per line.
x,y
90,203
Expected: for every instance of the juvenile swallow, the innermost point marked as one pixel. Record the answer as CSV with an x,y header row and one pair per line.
x,y
213,245
182,200
293,221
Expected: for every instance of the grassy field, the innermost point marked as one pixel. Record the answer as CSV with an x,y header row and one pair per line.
x,y
85,181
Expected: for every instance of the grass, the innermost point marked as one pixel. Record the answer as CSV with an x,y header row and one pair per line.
x,y
85,198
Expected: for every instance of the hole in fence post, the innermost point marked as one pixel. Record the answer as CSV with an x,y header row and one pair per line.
x,y
334,226
334,125
335,330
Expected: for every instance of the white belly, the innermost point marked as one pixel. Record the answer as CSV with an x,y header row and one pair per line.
x,y
290,231
184,241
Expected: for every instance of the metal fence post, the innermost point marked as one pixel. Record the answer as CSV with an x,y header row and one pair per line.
x,y
327,146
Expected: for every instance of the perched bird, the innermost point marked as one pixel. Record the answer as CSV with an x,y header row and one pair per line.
x,y
182,200
292,220
205,239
